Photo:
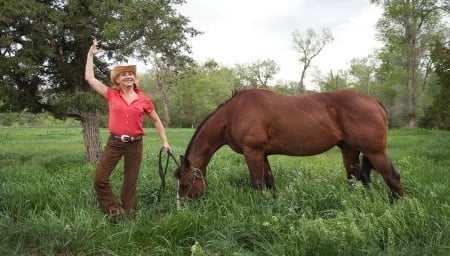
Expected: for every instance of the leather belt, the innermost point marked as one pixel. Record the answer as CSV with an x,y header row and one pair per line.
x,y
127,138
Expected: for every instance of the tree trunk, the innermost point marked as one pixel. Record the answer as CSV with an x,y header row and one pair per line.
x,y
166,118
92,140
301,85
411,104
411,66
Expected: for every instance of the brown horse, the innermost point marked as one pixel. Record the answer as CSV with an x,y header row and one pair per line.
x,y
258,123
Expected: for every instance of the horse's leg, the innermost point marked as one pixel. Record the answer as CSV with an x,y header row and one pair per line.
x,y
366,167
383,165
350,157
268,177
255,163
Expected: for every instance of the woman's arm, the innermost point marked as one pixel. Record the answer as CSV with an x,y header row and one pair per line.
x,y
161,131
89,71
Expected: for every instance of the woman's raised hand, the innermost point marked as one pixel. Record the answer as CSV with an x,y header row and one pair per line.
x,y
94,50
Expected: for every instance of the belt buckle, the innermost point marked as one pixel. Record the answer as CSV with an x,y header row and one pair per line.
x,y
125,138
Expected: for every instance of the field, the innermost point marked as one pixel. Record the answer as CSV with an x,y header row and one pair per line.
x,y
47,206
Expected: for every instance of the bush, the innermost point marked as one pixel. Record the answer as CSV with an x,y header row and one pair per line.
x,y
28,119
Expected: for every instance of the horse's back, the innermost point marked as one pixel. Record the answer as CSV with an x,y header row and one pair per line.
x,y
305,124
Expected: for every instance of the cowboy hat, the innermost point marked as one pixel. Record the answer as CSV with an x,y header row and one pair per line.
x,y
116,70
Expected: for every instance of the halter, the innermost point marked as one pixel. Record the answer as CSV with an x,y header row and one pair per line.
x,y
196,174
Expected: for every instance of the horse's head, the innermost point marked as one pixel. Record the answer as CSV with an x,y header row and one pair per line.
x,y
191,182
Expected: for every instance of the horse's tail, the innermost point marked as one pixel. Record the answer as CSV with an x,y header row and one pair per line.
x,y
382,106
366,168
385,112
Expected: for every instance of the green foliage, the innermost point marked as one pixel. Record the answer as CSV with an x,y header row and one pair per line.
x,y
23,48
78,104
309,45
333,82
44,45
47,205
438,114
363,72
25,118
407,28
199,92
257,74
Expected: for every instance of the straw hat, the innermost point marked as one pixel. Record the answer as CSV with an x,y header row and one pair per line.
x,y
116,70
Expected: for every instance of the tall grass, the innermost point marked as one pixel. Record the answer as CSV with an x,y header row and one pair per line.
x,y
47,205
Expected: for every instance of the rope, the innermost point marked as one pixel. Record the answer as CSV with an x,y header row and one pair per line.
x,y
163,171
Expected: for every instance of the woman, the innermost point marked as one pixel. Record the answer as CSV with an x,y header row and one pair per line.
x,y
127,107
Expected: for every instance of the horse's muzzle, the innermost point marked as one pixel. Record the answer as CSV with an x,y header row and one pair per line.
x,y
181,202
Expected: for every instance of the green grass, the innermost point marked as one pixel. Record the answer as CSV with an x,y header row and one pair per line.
x,y
47,206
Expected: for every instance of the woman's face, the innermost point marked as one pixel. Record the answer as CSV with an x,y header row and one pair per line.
x,y
126,79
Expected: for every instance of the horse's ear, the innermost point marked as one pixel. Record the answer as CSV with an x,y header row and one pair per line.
x,y
185,162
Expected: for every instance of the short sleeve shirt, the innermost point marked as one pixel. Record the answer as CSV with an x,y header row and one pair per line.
x,y
127,119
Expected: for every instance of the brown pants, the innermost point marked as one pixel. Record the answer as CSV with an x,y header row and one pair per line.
x,y
114,150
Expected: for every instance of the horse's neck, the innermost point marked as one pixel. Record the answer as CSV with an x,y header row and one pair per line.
x,y
209,138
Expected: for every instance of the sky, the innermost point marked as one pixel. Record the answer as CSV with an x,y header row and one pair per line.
x,y
244,31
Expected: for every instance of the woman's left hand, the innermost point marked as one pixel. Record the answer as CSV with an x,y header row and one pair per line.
x,y
167,148
94,50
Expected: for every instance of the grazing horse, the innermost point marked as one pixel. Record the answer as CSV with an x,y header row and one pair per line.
x,y
258,123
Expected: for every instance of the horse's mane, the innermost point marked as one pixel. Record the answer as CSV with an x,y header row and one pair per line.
x,y
234,95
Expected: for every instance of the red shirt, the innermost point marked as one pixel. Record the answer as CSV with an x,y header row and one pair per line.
x,y
127,119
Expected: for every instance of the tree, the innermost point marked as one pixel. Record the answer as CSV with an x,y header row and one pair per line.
x,y
285,87
23,54
309,46
202,88
60,33
362,73
166,75
438,114
331,81
406,27
257,74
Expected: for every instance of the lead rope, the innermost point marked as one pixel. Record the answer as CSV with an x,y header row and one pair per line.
x,y
163,171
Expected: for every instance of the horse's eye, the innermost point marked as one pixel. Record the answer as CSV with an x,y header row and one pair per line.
x,y
183,186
